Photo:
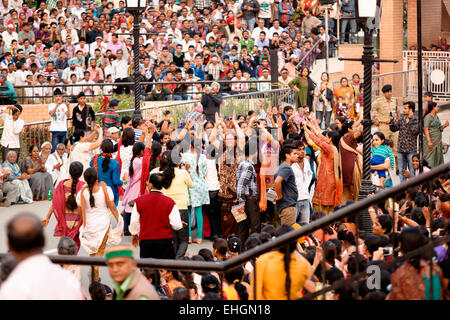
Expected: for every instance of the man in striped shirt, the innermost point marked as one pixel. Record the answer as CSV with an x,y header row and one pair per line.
x,y
247,193
111,118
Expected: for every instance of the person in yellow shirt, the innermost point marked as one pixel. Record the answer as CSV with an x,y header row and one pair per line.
x,y
272,268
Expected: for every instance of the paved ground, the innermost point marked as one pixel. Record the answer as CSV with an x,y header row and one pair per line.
x,y
41,209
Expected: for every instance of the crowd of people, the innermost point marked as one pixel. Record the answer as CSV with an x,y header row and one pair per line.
x,y
44,44
238,181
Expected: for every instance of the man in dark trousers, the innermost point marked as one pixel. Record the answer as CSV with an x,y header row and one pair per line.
x,y
153,217
247,193
83,116
211,101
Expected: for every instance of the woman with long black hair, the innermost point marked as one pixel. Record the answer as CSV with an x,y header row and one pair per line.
x,y
177,182
80,146
96,204
198,195
280,274
411,281
65,206
108,169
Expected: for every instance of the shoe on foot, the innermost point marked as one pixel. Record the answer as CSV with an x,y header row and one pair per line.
x,y
190,240
198,241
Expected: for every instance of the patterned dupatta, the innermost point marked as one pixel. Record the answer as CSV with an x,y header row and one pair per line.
x,y
145,169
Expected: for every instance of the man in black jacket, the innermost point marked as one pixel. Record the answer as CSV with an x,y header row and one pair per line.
x,y
211,101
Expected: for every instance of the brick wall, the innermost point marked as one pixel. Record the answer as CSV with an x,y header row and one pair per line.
x,y
391,37
351,67
431,21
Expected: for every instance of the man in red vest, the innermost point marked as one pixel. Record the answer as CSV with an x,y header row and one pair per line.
x,y
153,217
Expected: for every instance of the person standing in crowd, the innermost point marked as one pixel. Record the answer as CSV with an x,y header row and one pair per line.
x,y
303,176
349,12
65,207
250,10
328,189
59,111
432,143
351,159
83,116
12,128
8,94
407,126
285,186
304,87
81,147
198,195
152,220
129,283
211,101
348,99
108,168
247,193
111,118
96,231
383,108
323,101
177,182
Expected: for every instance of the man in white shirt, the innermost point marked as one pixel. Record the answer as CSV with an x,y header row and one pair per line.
x,y
98,44
12,127
72,69
77,10
275,28
258,29
9,35
264,86
153,218
35,277
174,32
303,177
89,90
56,164
119,72
59,111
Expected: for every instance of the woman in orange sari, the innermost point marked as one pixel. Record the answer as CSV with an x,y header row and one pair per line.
x,y
348,94
328,190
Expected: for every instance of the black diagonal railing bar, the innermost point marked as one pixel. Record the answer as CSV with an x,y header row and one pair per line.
x,y
340,214
385,265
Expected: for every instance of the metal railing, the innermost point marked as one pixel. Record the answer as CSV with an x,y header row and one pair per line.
x,y
36,133
300,63
281,241
42,93
437,62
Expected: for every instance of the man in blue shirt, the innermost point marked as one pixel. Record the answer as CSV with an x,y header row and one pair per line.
x,y
199,68
348,11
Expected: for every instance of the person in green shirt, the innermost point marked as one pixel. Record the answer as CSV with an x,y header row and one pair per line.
x,y
247,42
8,94
128,282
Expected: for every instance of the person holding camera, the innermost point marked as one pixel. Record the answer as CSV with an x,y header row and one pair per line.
x,y
12,128
211,101
323,95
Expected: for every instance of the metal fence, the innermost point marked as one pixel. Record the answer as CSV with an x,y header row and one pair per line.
x,y
436,71
36,133
285,239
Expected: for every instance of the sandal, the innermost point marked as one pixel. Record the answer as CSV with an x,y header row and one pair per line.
x,y
198,241
190,240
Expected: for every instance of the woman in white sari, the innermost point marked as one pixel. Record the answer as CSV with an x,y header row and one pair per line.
x,y
97,204
18,178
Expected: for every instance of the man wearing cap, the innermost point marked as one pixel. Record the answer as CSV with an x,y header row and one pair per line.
x,y
382,108
264,86
285,79
153,219
9,35
72,69
128,281
123,29
59,111
111,118
98,44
